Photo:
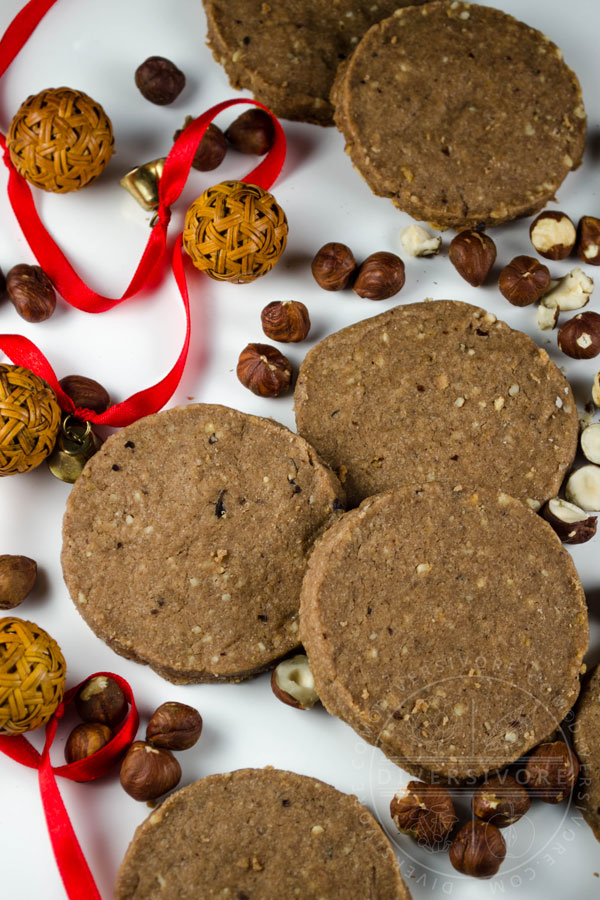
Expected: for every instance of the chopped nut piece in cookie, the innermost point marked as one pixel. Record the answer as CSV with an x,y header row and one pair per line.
x,y
417,241
571,292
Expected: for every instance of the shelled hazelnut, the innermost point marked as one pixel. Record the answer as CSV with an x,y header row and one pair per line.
x,y
147,772
252,132
380,276
159,80
425,811
85,740
524,280
583,488
174,726
579,338
588,240
551,772
31,292
590,442
211,150
18,575
553,234
292,682
472,253
101,699
333,266
287,321
264,370
85,392
478,849
572,524
501,801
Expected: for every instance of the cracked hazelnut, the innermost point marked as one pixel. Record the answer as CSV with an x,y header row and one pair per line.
x,y
583,488
551,772
380,276
590,442
286,321
588,240
425,811
571,292
579,338
553,234
596,389
417,241
174,726
17,577
85,740
571,523
101,699
547,317
292,682
31,292
264,370
85,392
333,266
478,849
148,772
211,150
524,280
159,80
472,253
252,132
501,801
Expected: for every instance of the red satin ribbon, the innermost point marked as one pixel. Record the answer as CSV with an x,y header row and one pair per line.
x,y
71,287
75,873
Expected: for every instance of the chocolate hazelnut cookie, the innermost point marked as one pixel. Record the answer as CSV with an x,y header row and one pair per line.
x,y
446,625
460,114
186,537
287,51
587,745
437,391
260,834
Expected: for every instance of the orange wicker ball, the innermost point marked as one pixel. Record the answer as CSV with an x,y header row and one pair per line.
x,y
32,676
60,140
29,420
235,232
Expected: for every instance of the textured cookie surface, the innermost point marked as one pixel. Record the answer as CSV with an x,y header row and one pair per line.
x,y
587,745
287,51
437,391
260,834
185,540
445,626
460,114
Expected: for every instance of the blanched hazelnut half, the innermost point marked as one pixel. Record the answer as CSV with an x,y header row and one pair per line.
x,y
553,234
417,241
292,682
590,442
572,524
583,487
571,292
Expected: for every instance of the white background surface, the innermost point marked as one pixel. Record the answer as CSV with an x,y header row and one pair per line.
x,y
96,47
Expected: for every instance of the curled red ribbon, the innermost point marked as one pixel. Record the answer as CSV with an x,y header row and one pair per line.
x,y
71,287
74,870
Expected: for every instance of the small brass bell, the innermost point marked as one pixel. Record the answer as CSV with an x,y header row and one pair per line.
x,y
142,183
75,444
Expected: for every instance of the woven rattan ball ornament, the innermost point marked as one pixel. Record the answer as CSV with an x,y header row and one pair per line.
x,y
235,232
29,420
60,140
32,676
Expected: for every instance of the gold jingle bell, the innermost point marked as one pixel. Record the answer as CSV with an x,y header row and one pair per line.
x,y
76,443
142,183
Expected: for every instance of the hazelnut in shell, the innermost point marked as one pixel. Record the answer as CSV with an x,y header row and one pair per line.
x,y
292,682
501,801
588,240
333,266
553,234
174,726
551,772
380,276
85,740
425,811
472,253
524,280
147,772
85,392
252,132
579,338
31,292
572,524
287,321
478,849
101,699
18,575
583,487
264,370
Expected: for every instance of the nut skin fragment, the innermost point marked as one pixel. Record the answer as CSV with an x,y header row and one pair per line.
x,y
211,149
18,575
478,849
252,132
148,772
588,240
101,699
583,487
288,322
159,80
31,292
264,370
380,276
571,524
524,280
551,772
579,338
472,254
292,682
85,392
333,266
553,234
501,801
425,811
85,740
174,726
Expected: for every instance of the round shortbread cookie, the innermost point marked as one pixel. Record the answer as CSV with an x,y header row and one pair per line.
x,y
437,391
186,537
460,114
260,834
446,626
587,745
